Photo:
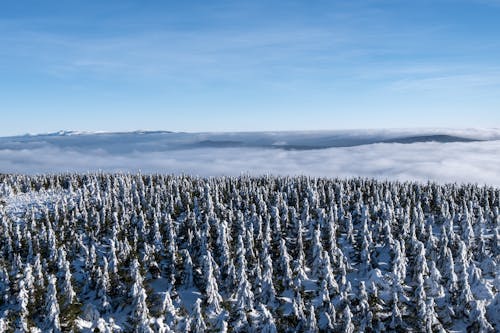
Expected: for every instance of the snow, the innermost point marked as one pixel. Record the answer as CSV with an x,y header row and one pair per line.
x,y
189,297
17,205
292,302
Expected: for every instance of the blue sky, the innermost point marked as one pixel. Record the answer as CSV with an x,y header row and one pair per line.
x,y
248,65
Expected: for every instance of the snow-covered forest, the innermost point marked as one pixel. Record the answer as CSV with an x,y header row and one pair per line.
x,y
158,253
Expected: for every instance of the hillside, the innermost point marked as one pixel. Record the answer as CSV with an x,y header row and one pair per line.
x,y
246,254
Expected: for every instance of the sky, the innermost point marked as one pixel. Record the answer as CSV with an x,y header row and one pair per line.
x,y
120,65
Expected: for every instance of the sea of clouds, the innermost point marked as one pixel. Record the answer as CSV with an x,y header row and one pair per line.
x,y
229,154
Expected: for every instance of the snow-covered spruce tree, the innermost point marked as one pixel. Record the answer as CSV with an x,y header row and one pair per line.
x,y
478,320
224,258
299,268
347,324
51,317
298,312
431,320
22,313
65,286
421,305
39,280
311,325
465,297
448,309
267,323
267,293
244,297
4,284
466,225
102,289
187,279
170,261
399,261
433,282
169,312
196,321
284,266
378,307
317,252
29,280
213,298
327,314
365,315
139,318
420,267
327,275
396,316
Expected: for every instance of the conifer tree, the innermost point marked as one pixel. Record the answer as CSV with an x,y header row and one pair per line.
x,y
52,312
396,317
433,282
169,311
140,313
211,290
267,324
284,264
311,324
67,292
478,318
347,324
188,279
317,252
244,294
268,293
431,319
4,284
197,323
103,286
365,314
22,307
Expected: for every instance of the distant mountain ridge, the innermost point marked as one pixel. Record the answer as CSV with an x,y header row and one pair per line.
x,y
157,141
444,155
71,133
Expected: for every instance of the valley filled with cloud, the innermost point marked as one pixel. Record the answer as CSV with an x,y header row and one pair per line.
x,y
444,156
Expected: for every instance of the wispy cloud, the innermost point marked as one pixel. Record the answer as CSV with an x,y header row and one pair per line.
x,y
449,81
160,53
336,46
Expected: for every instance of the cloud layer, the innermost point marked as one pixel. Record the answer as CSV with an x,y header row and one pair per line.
x,y
464,162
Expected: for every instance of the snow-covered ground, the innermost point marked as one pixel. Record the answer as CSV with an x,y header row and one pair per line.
x,y
121,253
439,155
17,205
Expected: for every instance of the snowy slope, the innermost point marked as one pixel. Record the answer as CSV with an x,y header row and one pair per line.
x,y
136,253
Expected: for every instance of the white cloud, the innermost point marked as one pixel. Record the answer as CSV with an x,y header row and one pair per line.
x,y
487,78
472,162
